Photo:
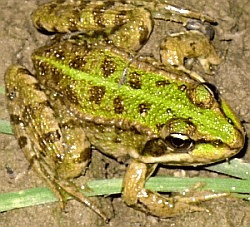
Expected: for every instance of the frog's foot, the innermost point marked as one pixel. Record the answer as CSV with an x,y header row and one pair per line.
x,y
176,48
74,191
62,189
169,12
135,195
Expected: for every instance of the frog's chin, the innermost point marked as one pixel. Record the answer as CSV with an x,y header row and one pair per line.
x,y
193,158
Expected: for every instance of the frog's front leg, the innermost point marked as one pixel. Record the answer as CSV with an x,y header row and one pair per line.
x,y
177,48
136,196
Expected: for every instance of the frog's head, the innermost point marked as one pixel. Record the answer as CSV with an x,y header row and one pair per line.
x,y
216,135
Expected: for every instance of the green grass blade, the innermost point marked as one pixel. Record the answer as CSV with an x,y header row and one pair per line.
x,y
37,196
5,127
236,168
2,90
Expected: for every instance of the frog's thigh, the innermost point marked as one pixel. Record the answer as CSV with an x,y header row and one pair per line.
x,y
125,25
135,32
135,195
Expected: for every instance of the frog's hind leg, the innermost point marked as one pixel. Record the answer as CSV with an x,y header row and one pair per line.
x,y
42,139
163,11
124,25
20,99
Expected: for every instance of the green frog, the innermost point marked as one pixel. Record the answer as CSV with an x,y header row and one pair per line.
x,y
91,88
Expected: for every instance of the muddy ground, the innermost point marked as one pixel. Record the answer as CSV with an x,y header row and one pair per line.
x,y
17,40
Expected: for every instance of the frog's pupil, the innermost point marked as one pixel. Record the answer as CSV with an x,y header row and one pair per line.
x,y
177,142
180,142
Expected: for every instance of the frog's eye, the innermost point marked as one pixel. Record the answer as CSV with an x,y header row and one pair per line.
x,y
179,142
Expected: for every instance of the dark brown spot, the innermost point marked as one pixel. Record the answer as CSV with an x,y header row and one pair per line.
x,y
117,140
22,141
160,126
201,96
143,108
37,86
47,74
71,95
11,95
134,80
15,119
78,62
118,105
74,19
108,67
155,148
192,45
71,124
98,12
134,129
59,54
40,67
120,18
84,156
98,16
56,75
50,137
169,111
162,83
182,87
96,94
59,158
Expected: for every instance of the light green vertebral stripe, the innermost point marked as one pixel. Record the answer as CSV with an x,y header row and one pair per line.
x,y
158,99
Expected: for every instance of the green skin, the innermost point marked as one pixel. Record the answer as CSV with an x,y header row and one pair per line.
x,y
89,92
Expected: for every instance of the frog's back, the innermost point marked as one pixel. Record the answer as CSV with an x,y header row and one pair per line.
x,y
124,104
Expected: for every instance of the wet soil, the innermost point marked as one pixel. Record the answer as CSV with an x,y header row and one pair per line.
x,y
18,38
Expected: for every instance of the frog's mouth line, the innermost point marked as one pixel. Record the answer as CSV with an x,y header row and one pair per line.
x,y
201,152
188,159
